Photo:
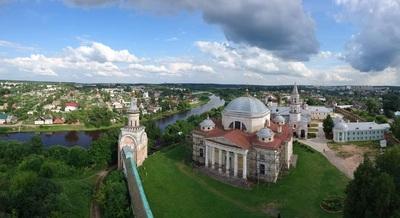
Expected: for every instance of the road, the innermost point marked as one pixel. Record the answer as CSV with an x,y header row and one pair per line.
x,y
320,144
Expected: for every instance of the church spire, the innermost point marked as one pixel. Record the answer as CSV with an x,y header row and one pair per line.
x,y
295,91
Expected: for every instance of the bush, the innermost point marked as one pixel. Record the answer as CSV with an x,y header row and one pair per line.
x,y
312,135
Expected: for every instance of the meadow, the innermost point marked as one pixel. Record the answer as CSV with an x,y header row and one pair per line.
x,y
174,188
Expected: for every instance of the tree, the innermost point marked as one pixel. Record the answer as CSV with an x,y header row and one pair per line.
x,y
36,144
375,190
372,105
395,128
328,124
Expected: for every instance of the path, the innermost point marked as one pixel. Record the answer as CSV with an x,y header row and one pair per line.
x,y
94,206
320,144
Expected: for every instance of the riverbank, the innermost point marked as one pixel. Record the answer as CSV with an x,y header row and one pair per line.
x,y
173,112
20,127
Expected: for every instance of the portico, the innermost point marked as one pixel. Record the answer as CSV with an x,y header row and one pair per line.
x,y
224,158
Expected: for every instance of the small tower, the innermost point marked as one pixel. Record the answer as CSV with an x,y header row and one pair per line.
x,y
280,121
133,136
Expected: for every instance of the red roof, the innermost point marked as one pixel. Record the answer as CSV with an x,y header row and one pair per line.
x,y
71,105
245,140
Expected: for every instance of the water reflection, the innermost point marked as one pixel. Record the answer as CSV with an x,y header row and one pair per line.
x,y
72,136
68,139
215,102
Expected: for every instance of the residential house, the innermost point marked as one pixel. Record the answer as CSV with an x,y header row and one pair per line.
x,y
70,107
3,118
48,119
39,121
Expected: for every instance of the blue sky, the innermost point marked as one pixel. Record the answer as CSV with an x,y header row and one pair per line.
x,y
314,42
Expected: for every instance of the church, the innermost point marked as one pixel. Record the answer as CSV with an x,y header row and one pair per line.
x,y
247,142
133,136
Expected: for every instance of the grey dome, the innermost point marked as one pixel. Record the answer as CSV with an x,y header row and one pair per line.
x,y
207,123
246,107
265,133
279,118
341,126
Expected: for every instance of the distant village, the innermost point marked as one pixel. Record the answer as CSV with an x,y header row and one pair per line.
x,y
40,103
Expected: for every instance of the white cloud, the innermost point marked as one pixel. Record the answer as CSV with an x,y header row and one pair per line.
x,y
16,46
98,52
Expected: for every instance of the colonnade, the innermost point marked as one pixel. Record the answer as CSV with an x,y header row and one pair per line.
x,y
210,157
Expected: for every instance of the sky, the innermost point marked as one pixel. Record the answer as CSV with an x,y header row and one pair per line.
x,y
258,42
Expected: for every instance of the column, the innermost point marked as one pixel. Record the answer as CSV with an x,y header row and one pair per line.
x,y
235,165
244,166
227,162
206,161
212,157
219,160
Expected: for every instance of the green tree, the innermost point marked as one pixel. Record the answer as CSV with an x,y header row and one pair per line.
x,y
36,144
78,157
375,190
395,128
372,105
328,124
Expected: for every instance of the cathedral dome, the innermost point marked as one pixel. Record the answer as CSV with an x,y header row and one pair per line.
x,y
341,126
247,107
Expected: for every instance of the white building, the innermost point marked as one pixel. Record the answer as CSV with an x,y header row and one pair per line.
x,y
358,131
245,143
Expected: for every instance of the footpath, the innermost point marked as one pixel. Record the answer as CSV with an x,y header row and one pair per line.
x,y
320,144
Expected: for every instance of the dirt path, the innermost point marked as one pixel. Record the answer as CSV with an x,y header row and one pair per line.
x,y
94,206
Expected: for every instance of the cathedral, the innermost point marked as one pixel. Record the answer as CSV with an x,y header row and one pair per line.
x,y
133,136
247,142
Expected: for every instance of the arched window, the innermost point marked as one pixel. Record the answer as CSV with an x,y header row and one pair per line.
x,y
231,126
244,127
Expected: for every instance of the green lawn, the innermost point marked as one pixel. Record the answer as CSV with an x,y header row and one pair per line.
x,y
368,144
174,189
314,124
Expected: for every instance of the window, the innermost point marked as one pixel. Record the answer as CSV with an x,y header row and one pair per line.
x,y
262,169
262,157
201,150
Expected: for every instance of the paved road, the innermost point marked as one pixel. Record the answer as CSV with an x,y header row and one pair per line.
x,y
320,144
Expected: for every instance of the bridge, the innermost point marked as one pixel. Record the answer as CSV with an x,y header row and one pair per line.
x,y
140,205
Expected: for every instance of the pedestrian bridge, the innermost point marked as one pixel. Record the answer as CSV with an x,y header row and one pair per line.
x,y
140,205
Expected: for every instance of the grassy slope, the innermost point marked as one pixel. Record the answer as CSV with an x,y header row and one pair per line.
x,y
175,190
79,190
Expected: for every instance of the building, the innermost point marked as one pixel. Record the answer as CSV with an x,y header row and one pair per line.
x,y
245,143
133,136
4,118
297,115
319,112
358,131
70,107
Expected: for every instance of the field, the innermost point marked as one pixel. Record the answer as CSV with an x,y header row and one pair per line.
x,y
175,189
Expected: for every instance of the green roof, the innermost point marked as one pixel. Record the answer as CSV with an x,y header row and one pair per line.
x,y
3,116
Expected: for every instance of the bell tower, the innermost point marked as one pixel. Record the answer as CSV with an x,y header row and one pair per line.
x,y
133,136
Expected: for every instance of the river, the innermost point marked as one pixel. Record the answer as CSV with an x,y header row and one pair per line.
x,y
214,102
85,138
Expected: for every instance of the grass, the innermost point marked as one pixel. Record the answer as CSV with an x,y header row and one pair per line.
x,y
312,130
314,124
174,189
58,127
79,190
